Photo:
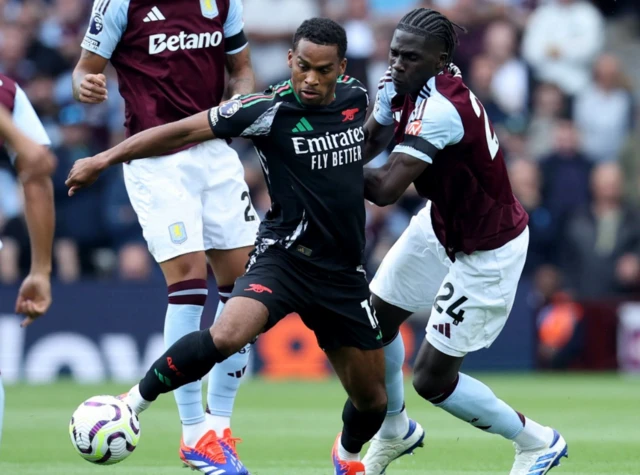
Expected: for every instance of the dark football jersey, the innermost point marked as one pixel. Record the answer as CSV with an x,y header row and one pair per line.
x,y
312,163
467,181
169,55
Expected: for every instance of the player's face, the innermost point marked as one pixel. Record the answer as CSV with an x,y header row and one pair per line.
x,y
314,72
414,60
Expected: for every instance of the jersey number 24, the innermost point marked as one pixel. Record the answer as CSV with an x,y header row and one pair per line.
x,y
492,138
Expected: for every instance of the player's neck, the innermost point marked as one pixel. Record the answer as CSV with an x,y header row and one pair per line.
x,y
414,94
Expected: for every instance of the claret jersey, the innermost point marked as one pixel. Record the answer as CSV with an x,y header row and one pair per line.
x,y
474,208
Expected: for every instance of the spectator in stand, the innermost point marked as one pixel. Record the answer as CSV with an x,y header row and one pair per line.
x,y
601,244
565,174
481,74
474,16
357,24
270,25
548,110
561,42
603,134
630,163
510,83
79,229
525,182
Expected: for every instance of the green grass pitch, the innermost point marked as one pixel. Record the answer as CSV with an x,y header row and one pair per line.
x,y
288,429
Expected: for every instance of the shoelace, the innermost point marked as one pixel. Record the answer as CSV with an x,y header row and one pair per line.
x,y
209,447
231,441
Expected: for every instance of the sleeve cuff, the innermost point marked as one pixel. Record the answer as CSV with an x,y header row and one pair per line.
x,y
413,152
381,119
93,46
237,50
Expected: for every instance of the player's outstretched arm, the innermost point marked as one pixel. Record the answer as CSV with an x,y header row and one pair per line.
x,y
34,164
376,138
152,142
89,82
385,185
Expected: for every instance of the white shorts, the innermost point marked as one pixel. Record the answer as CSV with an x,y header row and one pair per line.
x,y
193,200
471,297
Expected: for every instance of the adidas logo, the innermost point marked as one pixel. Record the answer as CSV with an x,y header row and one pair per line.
x,y
238,374
302,126
444,328
154,15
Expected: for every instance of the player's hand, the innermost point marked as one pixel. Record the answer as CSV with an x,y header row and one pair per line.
x,y
84,172
34,298
93,89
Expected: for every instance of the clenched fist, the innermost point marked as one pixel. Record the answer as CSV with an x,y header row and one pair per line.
x,y
93,89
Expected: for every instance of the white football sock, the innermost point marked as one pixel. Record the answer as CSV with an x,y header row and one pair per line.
x,y
192,433
533,436
135,400
224,382
394,426
218,423
346,455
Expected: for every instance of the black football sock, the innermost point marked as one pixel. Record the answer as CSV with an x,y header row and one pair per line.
x,y
187,360
359,427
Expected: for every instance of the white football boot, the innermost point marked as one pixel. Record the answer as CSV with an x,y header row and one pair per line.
x,y
384,451
539,461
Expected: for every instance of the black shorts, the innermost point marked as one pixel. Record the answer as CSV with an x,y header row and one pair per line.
x,y
336,306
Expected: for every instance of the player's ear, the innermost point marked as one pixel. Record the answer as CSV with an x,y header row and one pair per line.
x,y
442,62
290,59
343,66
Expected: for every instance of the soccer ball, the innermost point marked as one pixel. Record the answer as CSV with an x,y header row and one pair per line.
x,y
104,430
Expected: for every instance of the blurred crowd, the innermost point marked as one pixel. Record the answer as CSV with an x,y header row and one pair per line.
x,y
558,78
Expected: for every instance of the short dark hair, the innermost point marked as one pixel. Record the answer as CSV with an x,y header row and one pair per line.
x,y
322,31
432,24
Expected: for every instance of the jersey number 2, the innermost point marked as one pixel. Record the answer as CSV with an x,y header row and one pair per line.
x,y
247,212
492,138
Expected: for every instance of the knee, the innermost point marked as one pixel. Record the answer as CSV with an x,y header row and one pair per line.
x,y
430,383
227,342
185,267
374,399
